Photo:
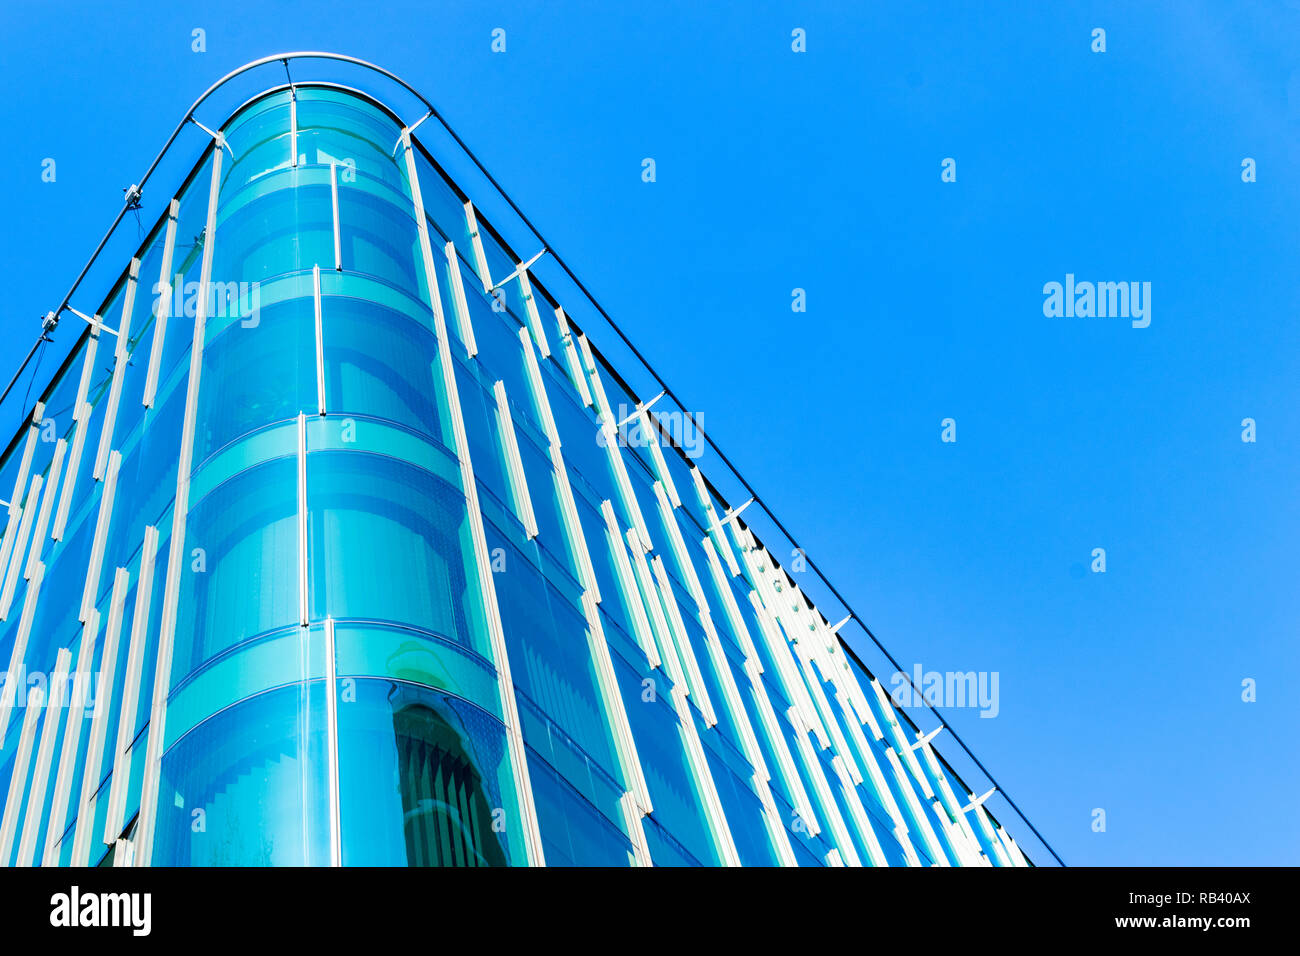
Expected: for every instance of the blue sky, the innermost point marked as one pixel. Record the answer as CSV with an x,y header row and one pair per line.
x,y
821,170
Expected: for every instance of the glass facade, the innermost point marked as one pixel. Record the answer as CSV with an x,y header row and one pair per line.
x,y
330,547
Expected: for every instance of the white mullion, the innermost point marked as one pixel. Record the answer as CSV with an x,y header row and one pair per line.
x,y
304,582
719,829
332,743
778,649
621,478
867,715
901,743
631,590
632,814
858,813
779,634
17,662
18,781
121,358
538,386
164,304
838,741
650,428
496,633
947,797
685,651
54,831
480,257
320,341
460,306
649,595
922,822
1013,848
615,710
107,495
839,830
15,569
678,545
714,530
90,777
334,203
44,758
967,855
784,758
729,602
180,515
530,307
572,521
47,506
129,711
999,852
881,787
753,669
293,128
636,800
10,555
571,358
777,833
514,462
81,411
25,464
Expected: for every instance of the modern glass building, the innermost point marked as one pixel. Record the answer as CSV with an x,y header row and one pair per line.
x,y
334,541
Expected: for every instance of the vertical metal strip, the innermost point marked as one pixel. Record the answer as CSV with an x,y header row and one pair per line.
x,y
128,714
121,359
635,802
514,462
332,743
334,203
839,830
530,306
54,708
82,834
80,691
81,411
18,781
293,127
47,506
919,819
180,514
627,583
107,495
571,358
685,648
879,785
858,813
460,306
480,258
304,608
506,688
320,341
25,464
719,829
17,671
615,709
165,293
17,665
947,797
18,557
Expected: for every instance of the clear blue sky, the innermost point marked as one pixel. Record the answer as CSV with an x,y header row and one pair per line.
x,y
821,170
